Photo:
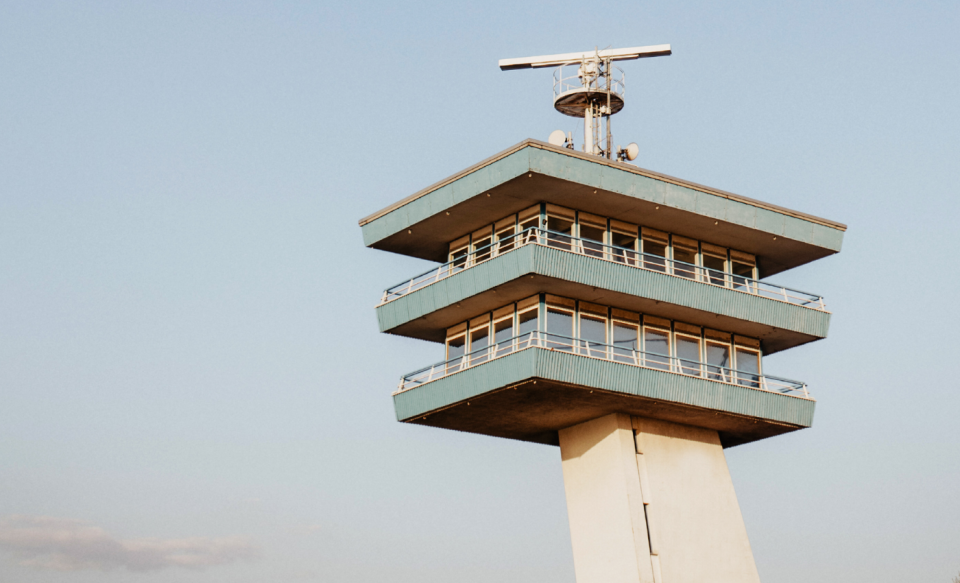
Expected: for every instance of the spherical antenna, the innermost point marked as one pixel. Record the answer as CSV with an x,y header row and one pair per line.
x,y
557,138
632,151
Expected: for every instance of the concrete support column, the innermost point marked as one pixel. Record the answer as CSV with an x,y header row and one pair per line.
x,y
652,502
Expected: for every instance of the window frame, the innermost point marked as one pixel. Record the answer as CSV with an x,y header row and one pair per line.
x,y
658,360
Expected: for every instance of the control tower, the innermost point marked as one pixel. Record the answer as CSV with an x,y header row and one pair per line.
x,y
581,301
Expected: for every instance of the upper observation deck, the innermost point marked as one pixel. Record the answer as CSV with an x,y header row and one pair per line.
x,y
532,172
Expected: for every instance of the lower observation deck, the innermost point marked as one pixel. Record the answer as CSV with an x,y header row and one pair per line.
x,y
530,387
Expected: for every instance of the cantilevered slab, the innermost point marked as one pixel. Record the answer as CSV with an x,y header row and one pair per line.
x,y
423,224
532,394
530,269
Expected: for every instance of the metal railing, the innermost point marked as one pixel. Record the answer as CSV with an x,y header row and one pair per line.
x,y
610,253
612,353
568,77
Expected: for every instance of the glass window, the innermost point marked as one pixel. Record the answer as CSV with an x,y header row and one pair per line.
x,y
455,349
688,354
593,335
624,244
718,361
479,342
593,231
715,265
748,367
527,322
459,250
503,335
684,257
626,342
482,241
656,348
505,238
742,275
529,219
654,253
561,232
459,259
559,328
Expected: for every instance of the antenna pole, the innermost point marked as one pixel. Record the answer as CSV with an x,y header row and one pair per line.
x,y
606,70
588,129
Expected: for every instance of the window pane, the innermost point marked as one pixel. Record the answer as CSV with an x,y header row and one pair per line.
x,y
593,335
459,258
479,341
688,352
503,336
686,256
653,251
558,225
560,323
718,361
656,346
505,240
626,242
593,240
482,249
527,327
748,367
625,339
529,236
718,265
742,272
455,349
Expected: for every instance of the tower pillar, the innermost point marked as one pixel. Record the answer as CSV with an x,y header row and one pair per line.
x,y
651,501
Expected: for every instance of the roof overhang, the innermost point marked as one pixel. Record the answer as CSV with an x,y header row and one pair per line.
x,y
423,224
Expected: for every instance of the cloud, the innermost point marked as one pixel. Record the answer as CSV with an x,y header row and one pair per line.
x,y
71,545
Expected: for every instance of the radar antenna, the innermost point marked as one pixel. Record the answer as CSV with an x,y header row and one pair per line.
x,y
593,90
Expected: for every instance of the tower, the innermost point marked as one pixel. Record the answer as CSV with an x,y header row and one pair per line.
x,y
620,314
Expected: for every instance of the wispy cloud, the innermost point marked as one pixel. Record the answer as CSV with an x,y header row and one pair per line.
x,y
70,545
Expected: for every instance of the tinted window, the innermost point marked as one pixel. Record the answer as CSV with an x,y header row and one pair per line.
x,y
748,367
688,351
656,346
625,340
718,361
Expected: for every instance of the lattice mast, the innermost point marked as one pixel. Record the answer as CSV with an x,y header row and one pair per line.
x,y
590,86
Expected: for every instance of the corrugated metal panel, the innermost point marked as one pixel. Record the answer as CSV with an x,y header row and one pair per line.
x,y
578,370
606,275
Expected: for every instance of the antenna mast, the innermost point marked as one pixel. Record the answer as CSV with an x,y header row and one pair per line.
x,y
588,85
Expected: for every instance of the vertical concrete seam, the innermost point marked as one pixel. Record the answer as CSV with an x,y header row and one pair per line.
x,y
632,478
646,497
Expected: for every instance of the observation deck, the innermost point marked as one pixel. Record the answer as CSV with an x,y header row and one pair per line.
x,y
530,386
659,283
534,259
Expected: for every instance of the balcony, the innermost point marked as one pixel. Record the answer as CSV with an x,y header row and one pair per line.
x,y
610,253
530,387
537,260
611,353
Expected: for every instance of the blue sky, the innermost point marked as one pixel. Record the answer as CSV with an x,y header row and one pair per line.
x,y
194,389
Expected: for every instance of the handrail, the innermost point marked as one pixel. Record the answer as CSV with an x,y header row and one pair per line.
x,y
612,253
601,351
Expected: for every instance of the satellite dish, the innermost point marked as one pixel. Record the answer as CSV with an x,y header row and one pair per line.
x,y
557,138
632,151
